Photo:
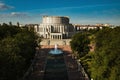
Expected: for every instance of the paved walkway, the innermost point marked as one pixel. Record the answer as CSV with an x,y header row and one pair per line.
x,y
38,68
74,73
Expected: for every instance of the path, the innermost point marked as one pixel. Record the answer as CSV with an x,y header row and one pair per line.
x,y
37,70
72,68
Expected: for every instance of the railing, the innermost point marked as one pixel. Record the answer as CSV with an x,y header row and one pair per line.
x,y
80,67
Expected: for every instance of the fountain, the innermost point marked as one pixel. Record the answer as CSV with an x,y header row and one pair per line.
x,y
55,66
56,50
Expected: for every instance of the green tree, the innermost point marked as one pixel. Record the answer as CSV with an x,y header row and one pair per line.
x,y
6,30
80,44
11,62
17,48
106,60
26,42
80,47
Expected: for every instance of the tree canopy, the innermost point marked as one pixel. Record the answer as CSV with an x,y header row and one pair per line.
x,y
106,60
17,48
80,44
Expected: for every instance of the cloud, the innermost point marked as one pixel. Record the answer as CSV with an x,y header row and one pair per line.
x,y
3,6
18,14
13,15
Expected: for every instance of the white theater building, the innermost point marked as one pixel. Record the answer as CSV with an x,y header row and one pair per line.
x,y
55,27
58,27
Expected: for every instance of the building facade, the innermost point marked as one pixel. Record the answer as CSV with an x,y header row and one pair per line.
x,y
58,27
55,27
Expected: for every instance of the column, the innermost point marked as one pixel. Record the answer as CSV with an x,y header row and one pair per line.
x,y
61,36
63,29
57,29
51,36
60,29
57,36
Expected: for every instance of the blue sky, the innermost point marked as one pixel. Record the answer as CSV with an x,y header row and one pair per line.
x,y
79,11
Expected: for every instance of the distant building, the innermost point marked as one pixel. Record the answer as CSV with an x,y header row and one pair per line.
x,y
87,27
58,27
55,27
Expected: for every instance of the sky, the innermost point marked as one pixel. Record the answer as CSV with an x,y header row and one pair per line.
x,y
79,11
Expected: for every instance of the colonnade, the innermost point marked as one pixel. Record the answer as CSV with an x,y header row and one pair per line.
x,y
53,31
54,28
56,37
